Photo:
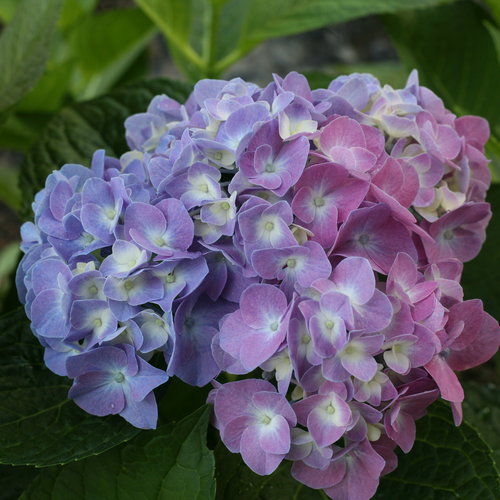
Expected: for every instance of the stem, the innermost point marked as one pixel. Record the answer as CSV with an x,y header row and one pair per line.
x,y
210,31
185,49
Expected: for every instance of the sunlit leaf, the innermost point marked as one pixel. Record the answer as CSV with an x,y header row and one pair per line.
x,y
24,48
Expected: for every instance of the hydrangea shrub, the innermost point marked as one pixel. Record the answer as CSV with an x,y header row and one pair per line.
x,y
309,243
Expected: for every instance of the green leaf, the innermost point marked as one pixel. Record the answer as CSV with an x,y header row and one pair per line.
x,y
481,276
176,19
259,20
13,480
236,481
124,33
207,36
493,153
494,5
21,130
24,48
49,93
176,400
482,409
264,19
171,463
79,68
38,424
75,10
78,130
446,462
9,258
463,70
9,192
7,9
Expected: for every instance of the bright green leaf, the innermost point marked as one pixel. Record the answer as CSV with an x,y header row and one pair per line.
x,y
9,257
78,130
494,5
265,19
38,424
179,22
171,463
24,48
75,10
123,33
455,54
80,65
49,93
446,462
246,23
9,192
206,37
493,153
7,9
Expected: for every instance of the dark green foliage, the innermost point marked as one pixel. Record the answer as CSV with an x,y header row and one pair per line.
x,y
13,480
482,410
171,463
446,462
481,277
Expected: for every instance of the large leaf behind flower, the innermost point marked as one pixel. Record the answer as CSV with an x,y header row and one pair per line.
x,y
171,463
78,130
446,463
482,409
38,424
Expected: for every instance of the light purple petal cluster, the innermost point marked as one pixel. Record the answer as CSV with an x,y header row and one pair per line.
x,y
315,235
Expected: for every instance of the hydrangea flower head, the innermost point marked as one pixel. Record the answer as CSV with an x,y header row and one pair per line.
x,y
315,238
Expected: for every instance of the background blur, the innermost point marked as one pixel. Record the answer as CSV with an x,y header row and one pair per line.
x,y
55,54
